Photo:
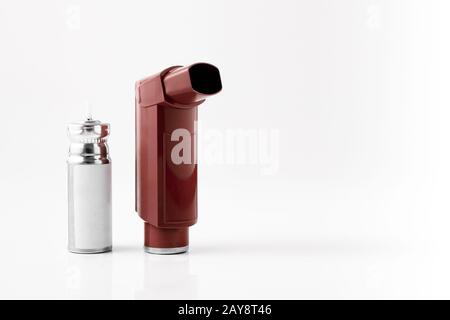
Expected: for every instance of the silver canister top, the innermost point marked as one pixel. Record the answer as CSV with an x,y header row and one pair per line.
x,y
88,131
88,142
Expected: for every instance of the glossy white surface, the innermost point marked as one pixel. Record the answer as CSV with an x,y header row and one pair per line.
x,y
354,202
324,251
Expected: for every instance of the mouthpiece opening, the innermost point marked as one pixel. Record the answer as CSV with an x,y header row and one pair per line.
x,y
205,78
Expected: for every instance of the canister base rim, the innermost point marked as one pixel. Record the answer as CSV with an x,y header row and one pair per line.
x,y
166,251
88,251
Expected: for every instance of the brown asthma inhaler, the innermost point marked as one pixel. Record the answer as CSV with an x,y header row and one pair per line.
x,y
166,153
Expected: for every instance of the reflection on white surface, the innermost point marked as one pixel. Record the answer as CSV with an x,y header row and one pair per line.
x,y
167,277
89,276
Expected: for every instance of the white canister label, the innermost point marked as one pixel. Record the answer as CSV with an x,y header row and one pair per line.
x,y
90,220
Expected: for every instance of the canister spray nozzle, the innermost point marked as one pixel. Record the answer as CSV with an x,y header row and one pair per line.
x,y
88,110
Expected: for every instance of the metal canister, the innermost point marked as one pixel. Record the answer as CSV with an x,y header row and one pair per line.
x,y
89,188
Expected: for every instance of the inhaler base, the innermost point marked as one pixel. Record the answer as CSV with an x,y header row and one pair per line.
x,y
166,240
165,251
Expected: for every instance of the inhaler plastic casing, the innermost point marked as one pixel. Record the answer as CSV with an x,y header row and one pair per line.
x,y
89,188
166,190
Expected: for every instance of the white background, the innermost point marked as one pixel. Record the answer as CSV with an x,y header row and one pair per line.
x,y
358,91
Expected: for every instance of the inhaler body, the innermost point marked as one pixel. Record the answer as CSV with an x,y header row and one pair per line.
x,y
166,153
